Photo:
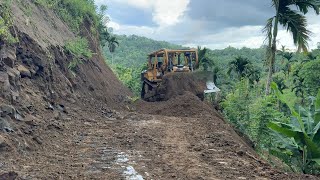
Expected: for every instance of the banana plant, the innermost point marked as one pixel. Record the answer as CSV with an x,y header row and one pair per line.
x,y
301,136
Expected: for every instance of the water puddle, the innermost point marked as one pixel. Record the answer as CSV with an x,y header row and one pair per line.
x,y
109,158
131,174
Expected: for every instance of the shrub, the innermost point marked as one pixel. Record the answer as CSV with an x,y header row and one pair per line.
x,y
79,49
299,139
6,23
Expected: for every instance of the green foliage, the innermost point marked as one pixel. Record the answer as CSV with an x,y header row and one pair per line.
x,y
243,67
130,77
299,138
79,49
6,23
73,12
133,50
310,73
250,112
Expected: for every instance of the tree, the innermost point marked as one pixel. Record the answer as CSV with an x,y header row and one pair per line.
x,y
241,66
112,44
204,60
294,21
286,56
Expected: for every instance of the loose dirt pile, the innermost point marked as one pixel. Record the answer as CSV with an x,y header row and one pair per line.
x,y
174,84
184,105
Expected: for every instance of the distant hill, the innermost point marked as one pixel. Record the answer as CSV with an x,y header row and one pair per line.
x,y
133,50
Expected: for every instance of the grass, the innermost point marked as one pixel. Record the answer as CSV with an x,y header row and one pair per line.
x,y
6,23
79,49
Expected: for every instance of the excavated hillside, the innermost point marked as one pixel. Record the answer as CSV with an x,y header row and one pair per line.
x,y
54,125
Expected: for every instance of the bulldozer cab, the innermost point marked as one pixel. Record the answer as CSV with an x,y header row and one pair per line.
x,y
165,60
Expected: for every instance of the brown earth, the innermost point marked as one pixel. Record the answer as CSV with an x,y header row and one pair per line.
x,y
54,125
174,84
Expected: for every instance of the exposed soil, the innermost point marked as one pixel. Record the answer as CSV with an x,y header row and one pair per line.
x,y
174,84
184,105
94,142
54,125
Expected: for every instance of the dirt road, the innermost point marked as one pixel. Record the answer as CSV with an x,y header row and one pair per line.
x,y
99,143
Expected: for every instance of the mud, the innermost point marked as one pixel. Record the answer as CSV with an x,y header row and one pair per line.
x,y
87,143
174,84
185,105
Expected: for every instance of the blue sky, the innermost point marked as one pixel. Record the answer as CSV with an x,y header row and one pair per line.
x,y
212,23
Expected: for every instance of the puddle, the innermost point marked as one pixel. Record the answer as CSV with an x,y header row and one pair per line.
x,y
122,158
109,158
131,174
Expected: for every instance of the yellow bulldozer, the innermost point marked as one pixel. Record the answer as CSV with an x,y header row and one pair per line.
x,y
161,63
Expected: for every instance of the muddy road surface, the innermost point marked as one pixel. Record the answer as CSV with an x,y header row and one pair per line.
x,y
98,143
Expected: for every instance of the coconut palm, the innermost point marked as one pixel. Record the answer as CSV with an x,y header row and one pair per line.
x,y
112,44
204,59
294,22
241,66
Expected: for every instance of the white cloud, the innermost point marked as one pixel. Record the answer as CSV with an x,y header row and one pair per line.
x,y
169,12
173,25
164,12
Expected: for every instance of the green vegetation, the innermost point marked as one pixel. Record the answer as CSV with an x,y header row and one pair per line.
x,y
6,23
300,137
79,49
73,12
132,50
294,21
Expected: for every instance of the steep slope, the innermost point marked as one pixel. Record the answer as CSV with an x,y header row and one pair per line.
x,y
35,82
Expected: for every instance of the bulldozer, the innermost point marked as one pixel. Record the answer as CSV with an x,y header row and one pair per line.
x,y
161,63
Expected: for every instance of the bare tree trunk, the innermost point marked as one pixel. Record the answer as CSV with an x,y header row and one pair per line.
x,y
273,53
111,58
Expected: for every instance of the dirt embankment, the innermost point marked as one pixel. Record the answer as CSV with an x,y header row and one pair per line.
x,y
54,125
174,84
184,105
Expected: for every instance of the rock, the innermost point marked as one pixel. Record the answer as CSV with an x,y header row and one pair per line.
x,y
7,110
37,139
50,107
4,84
18,117
32,120
5,126
9,176
24,72
33,72
8,55
14,75
2,65
2,142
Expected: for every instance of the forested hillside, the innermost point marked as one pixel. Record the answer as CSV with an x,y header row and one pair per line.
x,y
132,50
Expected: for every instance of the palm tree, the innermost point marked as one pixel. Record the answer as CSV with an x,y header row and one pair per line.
x,y
204,60
112,44
241,66
286,56
292,20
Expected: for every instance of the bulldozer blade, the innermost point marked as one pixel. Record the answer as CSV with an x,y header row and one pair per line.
x,y
211,87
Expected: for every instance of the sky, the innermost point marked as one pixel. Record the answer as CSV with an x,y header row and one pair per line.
x,y
215,24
